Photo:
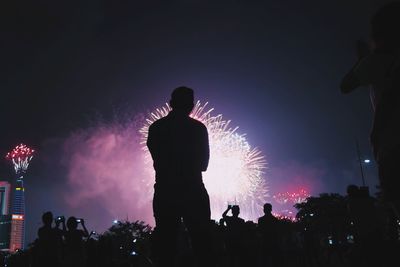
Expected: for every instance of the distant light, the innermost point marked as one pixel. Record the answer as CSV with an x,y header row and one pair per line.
x,y
133,253
350,239
115,221
367,161
312,214
134,240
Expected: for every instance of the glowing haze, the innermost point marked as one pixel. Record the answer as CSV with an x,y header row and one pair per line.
x,y
110,164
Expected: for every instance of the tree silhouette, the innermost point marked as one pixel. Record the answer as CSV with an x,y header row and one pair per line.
x,y
325,215
128,240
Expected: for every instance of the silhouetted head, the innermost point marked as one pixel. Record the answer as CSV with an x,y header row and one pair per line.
x,y
352,190
267,208
72,224
47,218
182,99
385,27
235,210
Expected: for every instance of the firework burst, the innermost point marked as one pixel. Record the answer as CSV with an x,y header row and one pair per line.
x,y
236,170
292,197
20,156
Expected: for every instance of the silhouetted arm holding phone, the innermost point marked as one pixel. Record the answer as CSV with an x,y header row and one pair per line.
x,y
85,231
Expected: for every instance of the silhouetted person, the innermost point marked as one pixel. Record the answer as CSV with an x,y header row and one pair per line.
x,y
268,229
49,242
234,221
235,227
380,69
74,249
179,147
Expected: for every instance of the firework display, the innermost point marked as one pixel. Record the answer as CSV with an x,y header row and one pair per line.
x,y
236,170
20,156
285,215
292,198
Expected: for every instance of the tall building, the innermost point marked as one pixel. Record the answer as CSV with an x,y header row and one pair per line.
x,y
20,157
5,218
18,217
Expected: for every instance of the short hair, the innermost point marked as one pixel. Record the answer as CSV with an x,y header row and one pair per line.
x,y
47,217
72,223
235,208
182,98
268,206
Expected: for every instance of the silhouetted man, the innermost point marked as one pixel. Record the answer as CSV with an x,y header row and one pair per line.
x,y
235,227
49,242
179,147
268,230
74,246
380,69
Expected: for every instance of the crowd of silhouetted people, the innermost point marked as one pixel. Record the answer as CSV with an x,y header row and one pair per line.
x,y
365,237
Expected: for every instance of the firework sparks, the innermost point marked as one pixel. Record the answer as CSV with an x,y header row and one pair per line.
x,y
292,198
285,215
235,173
20,156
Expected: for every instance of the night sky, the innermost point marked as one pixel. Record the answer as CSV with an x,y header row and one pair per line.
x,y
272,67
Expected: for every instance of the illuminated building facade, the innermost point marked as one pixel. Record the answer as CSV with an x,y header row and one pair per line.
x,y
17,240
20,157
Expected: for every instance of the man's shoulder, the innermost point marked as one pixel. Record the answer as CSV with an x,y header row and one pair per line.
x,y
197,123
159,123
163,122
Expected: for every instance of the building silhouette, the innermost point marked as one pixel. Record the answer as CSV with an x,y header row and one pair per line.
x,y
5,217
4,197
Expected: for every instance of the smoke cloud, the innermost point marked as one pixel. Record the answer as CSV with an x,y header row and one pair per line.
x,y
105,168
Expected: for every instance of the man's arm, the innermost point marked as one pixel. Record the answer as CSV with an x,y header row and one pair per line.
x,y
85,231
224,215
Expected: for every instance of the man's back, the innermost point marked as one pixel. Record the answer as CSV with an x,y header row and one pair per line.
x,y
268,229
179,147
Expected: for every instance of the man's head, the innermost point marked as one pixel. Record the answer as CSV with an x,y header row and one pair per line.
x,y
47,218
182,99
267,208
235,210
72,224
